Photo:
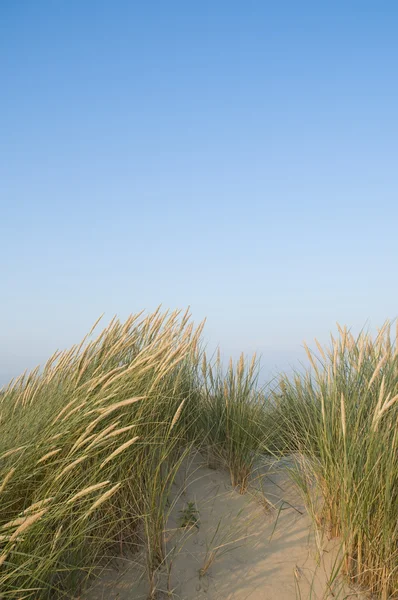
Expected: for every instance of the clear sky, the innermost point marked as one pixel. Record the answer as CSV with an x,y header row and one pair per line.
x,y
238,157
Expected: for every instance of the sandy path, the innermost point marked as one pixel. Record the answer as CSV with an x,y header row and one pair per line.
x,y
255,553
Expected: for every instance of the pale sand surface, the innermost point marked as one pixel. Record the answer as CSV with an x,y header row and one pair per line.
x,y
263,553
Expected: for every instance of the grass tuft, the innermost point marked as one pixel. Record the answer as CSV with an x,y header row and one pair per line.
x,y
340,420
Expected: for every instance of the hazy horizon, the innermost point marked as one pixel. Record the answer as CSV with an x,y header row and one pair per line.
x,y
237,158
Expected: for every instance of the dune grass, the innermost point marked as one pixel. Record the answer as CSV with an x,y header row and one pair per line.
x,y
340,420
88,451
91,444
233,417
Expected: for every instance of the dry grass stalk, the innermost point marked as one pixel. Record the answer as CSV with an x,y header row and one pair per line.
x,y
119,450
86,491
103,499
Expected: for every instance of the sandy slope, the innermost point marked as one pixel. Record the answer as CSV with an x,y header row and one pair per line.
x,y
255,552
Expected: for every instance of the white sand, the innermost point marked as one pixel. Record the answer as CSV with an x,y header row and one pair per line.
x,y
260,553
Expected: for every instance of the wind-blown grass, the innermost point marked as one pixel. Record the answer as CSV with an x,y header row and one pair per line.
x,y
233,417
90,447
341,417
88,451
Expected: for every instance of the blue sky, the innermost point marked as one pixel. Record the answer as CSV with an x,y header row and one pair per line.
x,y
238,157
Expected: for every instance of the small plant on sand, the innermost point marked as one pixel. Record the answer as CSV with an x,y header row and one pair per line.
x,y
189,516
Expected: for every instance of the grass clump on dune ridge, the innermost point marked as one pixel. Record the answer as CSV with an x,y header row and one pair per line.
x,y
88,450
233,417
341,417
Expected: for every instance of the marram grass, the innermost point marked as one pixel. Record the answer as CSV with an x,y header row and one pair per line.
x,y
85,446
90,446
340,419
233,417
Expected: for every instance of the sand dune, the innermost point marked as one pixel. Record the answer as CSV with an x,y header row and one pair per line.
x,y
257,546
